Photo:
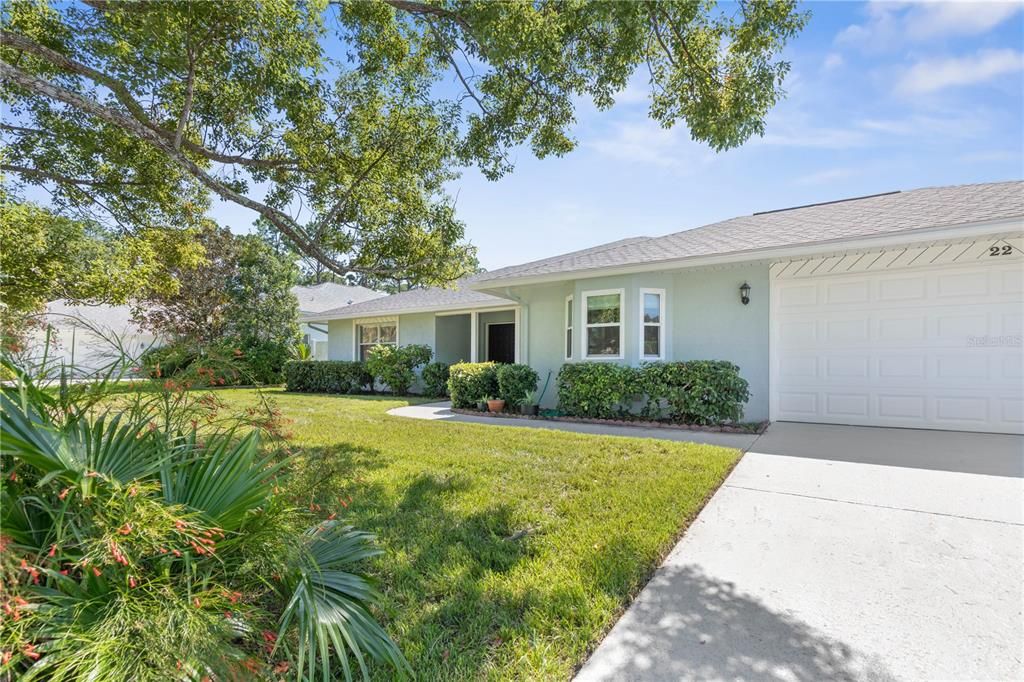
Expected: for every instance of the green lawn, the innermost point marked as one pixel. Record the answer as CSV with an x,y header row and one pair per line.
x,y
509,552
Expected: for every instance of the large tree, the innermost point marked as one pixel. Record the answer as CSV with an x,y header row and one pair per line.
x,y
340,121
44,257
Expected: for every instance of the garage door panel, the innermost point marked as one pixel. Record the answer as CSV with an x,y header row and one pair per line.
x,y
896,406
962,285
923,347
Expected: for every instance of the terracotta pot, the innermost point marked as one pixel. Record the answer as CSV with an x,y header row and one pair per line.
x,y
495,405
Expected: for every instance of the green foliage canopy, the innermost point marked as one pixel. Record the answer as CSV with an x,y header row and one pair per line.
x,y
44,257
339,122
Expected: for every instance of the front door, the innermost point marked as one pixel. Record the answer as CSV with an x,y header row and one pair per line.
x,y
501,342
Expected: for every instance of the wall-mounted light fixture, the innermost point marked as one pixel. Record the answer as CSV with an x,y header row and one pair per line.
x,y
745,293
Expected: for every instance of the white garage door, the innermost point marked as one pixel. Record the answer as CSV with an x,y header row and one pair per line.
x,y
935,347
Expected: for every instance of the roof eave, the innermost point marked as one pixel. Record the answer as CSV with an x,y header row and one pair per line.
x,y
497,286
353,315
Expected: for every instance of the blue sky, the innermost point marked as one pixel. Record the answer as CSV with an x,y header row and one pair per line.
x,y
882,96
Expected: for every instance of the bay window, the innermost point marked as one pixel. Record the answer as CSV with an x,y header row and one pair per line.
x,y
652,316
602,312
370,334
568,327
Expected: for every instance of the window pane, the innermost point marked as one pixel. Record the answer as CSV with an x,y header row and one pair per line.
x,y
387,333
601,309
368,334
568,343
652,308
603,341
363,351
568,313
652,340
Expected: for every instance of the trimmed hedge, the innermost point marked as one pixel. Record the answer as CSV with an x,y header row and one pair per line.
x,y
326,376
598,390
435,379
696,392
471,382
514,382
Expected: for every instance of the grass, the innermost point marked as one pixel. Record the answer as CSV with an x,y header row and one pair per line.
x,y
508,552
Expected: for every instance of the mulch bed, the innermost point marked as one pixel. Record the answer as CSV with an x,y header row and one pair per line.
x,y
725,428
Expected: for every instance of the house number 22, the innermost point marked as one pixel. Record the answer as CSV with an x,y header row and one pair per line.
x,y
1000,250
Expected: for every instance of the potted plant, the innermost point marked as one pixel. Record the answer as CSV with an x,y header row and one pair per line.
x,y
529,404
482,404
495,404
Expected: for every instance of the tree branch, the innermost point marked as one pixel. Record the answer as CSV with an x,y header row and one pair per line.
x,y
424,10
58,177
189,91
134,127
125,98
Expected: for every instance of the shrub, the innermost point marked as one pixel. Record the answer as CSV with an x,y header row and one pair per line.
x,y
166,361
393,366
695,392
134,549
264,361
435,379
471,382
515,381
706,392
326,376
596,389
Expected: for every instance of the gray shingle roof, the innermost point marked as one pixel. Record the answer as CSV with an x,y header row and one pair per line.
x,y
328,295
430,298
846,219
434,298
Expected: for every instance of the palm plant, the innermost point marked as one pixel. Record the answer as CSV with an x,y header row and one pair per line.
x,y
132,548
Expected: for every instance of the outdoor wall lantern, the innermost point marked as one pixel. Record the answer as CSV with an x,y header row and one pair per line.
x,y
745,293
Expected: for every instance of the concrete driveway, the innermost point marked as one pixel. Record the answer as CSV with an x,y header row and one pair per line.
x,y
841,553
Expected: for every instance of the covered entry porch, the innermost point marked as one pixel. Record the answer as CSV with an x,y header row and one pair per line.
x,y
484,335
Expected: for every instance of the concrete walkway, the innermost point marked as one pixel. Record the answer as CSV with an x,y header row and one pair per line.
x,y
865,554
442,411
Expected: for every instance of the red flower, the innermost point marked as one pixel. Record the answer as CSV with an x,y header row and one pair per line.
x,y
96,572
30,652
269,636
196,602
53,551
5,658
131,582
125,529
64,493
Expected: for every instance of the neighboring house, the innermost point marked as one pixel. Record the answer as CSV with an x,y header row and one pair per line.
x,y
88,339
901,309
319,297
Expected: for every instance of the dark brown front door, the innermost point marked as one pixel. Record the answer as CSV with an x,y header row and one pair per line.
x,y
501,343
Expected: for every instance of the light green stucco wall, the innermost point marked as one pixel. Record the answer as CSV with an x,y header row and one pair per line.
x,y
452,336
709,323
704,320
339,340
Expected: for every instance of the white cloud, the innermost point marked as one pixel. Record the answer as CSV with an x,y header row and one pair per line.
x,y
826,176
833,61
813,137
931,75
993,156
891,24
646,142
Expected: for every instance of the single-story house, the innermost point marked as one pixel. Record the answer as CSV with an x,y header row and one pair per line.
x,y
316,298
901,309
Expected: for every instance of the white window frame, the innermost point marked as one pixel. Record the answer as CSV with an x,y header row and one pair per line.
x,y
660,325
569,312
586,326
377,321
